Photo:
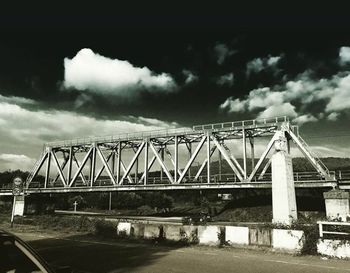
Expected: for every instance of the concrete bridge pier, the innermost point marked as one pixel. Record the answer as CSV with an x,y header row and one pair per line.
x,y
284,208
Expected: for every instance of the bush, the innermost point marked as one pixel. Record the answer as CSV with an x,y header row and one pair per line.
x,y
105,228
144,210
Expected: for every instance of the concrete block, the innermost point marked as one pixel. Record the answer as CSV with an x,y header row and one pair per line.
x,y
172,232
260,236
289,240
334,248
237,235
124,228
137,230
151,231
337,204
189,233
208,235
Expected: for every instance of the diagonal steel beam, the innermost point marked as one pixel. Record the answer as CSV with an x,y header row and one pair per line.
x,y
103,167
189,163
235,161
172,160
122,165
315,162
59,168
81,166
149,166
131,164
227,158
37,168
161,162
263,156
66,159
81,174
204,164
105,163
265,169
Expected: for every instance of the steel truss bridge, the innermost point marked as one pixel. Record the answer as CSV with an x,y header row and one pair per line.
x,y
150,160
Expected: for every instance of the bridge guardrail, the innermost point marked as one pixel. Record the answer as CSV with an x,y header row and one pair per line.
x,y
322,232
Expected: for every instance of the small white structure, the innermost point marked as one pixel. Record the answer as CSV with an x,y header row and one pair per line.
x,y
337,204
289,240
208,235
18,209
124,228
237,235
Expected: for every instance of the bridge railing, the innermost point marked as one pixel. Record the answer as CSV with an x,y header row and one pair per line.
x,y
335,226
167,132
343,175
242,124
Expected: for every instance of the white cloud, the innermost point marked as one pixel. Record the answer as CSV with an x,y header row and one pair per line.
x,y
226,79
190,76
24,131
16,100
344,54
303,94
15,161
259,64
284,109
333,116
89,71
222,52
304,119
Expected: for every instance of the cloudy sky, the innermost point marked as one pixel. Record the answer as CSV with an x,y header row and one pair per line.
x,y
73,75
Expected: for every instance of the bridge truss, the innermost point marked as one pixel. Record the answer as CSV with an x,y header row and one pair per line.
x,y
165,159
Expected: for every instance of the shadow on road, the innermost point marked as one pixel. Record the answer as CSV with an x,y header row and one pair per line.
x,y
91,254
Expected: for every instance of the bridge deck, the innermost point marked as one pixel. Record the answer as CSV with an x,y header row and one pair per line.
x,y
183,186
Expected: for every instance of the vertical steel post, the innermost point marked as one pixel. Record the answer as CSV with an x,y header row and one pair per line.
x,y
136,170
176,158
146,162
162,157
208,157
70,162
220,165
189,157
244,153
93,165
251,140
48,163
113,163
119,154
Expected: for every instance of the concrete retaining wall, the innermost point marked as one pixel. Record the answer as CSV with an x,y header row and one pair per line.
x,y
237,235
289,240
137,230
334,248
172,233
151,231
208,235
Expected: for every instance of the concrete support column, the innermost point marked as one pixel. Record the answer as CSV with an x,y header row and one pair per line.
x,y
284,208
337,204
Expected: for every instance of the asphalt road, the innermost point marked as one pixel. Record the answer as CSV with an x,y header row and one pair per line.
x,y
89,254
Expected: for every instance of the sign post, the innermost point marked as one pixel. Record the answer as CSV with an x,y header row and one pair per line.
x,y
17,190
